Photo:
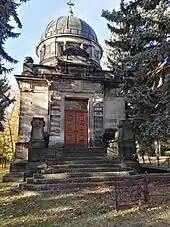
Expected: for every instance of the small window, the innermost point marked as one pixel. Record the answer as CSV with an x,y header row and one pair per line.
x,y
42,53
61,49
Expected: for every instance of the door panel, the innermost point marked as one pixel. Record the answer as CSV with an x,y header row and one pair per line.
x,y
82,127
70,127
76,127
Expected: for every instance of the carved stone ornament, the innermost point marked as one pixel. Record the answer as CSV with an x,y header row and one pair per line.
x,y
38,123
98,98
77,86
28,60
37,132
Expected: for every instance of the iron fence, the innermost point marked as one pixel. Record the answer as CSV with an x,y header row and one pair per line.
x,y
148,189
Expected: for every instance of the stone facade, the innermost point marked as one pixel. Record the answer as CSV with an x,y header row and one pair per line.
x,y
34,98
45,98
69,68
92,91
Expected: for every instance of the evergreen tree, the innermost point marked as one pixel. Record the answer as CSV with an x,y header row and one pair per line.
x,y
8,11
5,101
139,52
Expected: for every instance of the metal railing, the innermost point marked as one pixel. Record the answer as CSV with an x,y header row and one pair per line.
x,y
147,190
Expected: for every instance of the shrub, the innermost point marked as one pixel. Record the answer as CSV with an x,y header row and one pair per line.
x,y
167,153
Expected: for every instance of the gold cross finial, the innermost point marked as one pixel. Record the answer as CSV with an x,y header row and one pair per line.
x,y
70,5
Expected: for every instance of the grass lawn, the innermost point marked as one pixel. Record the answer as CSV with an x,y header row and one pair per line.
x,y
163,160
73,210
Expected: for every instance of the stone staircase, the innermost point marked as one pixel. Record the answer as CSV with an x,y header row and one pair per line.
x,y
76,169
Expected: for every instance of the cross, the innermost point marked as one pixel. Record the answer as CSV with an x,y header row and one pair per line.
x,y
70,10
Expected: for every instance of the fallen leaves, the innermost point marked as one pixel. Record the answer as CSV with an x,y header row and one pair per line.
x,y
87,208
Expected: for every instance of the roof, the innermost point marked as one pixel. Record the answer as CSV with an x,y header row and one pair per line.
x,y
70,25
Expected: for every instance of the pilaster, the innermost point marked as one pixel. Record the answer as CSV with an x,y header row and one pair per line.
x,y
55,115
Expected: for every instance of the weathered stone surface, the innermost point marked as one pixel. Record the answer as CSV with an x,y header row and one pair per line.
x,y
37,132
127,143
114,110
33,103
21,151
34,167
16,171
36,150
36,154
13,177
50,153
98,114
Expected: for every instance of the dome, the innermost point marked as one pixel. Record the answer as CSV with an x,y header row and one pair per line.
x,y
70,25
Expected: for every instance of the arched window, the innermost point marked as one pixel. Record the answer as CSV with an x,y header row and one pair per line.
x,y
42,53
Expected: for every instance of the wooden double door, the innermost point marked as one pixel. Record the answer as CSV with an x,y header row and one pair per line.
x,y
76,127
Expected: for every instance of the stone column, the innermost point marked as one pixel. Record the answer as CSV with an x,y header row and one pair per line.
x,y
82,46
65,45
57,49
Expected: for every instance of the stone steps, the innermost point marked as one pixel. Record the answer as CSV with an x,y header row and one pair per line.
x,y
60,186
79,150
74,169
83,165
61,161
75,175
77,153
82,158
11,177
68,179
81,154
83,170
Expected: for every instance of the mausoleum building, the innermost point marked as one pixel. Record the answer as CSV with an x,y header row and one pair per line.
x,y
68,88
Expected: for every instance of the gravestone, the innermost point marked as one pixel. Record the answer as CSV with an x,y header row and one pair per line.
x,y
127,144
37,144
36,149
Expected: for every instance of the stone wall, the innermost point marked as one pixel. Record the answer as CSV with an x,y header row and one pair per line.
x,y
33,103
104,110
114,109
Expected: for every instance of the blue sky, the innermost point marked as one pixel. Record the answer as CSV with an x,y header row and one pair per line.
x,y
36,14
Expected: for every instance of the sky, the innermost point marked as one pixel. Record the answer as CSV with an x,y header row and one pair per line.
x,y
35,16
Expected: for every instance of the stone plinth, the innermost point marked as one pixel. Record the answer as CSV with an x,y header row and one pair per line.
x,y
54,141
127,144
37,144
19,164
36,149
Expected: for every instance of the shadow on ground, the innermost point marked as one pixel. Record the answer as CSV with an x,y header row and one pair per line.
x,y
74,209
96,209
